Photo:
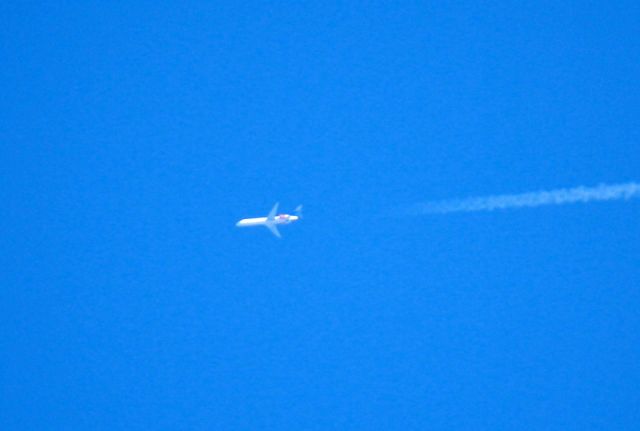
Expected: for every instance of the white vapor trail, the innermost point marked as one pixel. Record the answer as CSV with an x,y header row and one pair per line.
x,y
603,192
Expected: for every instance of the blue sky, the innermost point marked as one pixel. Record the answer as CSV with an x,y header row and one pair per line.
x,y
135,136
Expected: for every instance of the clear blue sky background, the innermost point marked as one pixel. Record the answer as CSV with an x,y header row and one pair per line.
x,y
133,137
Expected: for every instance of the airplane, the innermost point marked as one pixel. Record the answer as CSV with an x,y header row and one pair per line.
x,y
272,220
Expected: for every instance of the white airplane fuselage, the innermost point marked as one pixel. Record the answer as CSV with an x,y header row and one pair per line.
x,y
262,221
271,221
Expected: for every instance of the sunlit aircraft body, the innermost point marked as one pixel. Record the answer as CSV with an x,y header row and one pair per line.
x,y
272,220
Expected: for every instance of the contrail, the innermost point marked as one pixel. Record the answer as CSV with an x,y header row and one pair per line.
x,y
602,192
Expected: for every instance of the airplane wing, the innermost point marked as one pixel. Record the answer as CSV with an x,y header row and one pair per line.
x,y
270,223
273,228
272,213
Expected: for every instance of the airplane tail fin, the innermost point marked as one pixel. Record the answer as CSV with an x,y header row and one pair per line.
x,y
299,211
